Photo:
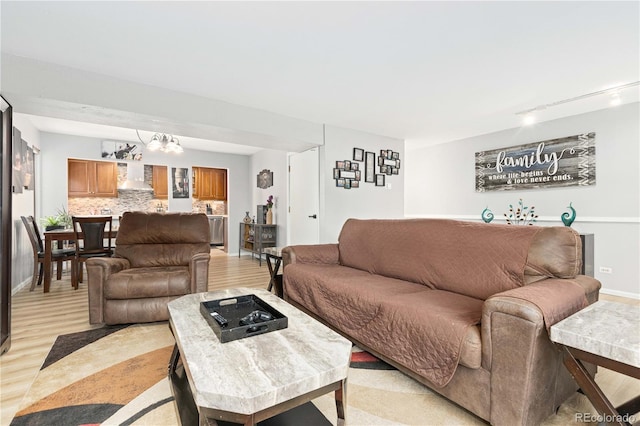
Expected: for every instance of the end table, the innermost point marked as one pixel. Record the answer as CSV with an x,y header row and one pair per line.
x,y
274,260
606,334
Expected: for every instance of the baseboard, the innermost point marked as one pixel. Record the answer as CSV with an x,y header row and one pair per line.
x,y
618,293
20,286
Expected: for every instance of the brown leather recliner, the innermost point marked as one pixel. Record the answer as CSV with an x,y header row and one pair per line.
x,y
158,257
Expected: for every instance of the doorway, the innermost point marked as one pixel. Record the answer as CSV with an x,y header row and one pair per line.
x,y
304,198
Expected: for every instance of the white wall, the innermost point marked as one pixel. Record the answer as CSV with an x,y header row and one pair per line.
x,y
276,161
56,148
441,183
367,202
23,205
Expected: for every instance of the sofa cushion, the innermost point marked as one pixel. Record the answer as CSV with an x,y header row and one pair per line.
x,y
141,283
428,252
423,329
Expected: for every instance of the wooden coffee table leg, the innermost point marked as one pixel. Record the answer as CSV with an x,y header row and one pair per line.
x,y
341,402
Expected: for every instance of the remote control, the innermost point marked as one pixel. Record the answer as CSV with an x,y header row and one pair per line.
x,y
219,319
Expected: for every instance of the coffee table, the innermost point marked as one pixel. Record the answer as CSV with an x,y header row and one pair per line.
x,y
606,334
252,379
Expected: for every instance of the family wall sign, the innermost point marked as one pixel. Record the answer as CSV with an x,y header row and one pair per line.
x,y
568,161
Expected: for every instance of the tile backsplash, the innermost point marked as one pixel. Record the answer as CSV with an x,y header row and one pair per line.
x,y
134,201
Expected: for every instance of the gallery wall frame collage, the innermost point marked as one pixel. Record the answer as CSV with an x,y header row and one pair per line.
x,y
348,173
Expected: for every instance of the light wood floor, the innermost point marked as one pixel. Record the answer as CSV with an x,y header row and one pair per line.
x,y
38,318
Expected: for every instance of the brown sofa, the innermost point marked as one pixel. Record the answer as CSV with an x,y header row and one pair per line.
x,y
462,307
158,257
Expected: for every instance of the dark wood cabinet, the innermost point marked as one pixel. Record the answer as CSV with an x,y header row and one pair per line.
x,y
255,237
209,184
160,185
87,178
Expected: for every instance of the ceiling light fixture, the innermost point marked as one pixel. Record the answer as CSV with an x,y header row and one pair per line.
x,y
529,119
615,99
163,142
613,91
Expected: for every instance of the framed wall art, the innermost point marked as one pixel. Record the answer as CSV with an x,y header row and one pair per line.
x,y
265,179
121,150
380,180
358,154
346,173
552,163
369,167
389,162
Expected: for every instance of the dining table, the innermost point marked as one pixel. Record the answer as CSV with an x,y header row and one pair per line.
x,y
58,235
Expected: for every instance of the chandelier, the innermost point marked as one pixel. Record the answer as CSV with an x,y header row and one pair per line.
x,y
163,142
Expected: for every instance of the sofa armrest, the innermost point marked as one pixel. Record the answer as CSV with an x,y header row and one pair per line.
x,y
542,303
199,269
516,348
98,271
316,253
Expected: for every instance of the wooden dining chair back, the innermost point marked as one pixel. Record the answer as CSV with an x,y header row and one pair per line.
x,y
93,239
57,255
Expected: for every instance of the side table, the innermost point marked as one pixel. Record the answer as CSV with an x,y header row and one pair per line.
x,y
606,334
274,260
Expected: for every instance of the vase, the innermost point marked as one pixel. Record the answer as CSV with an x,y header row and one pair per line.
x,y
247,218
269,217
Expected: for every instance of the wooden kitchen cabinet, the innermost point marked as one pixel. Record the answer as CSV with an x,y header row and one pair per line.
x,y
209,184
160,185
87,178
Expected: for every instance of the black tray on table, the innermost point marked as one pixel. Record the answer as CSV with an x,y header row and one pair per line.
x,y
235,308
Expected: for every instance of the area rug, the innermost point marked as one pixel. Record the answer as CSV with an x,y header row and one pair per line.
x,y
118,376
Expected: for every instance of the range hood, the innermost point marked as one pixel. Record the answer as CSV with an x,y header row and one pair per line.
x,y
135,178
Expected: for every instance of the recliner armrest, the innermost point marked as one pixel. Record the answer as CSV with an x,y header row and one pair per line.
x,y
199,268
98,271
316,253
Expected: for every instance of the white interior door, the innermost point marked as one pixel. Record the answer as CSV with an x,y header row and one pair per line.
x,y
304,197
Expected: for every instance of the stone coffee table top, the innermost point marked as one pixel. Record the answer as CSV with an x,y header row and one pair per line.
x,y
252,374
605,328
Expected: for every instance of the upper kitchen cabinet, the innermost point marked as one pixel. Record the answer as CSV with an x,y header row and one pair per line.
x,y
160,186
209,184
87,178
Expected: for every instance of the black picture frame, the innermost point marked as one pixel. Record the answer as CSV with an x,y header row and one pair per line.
x,y
358,154
340,183
369,167
380,180
180,182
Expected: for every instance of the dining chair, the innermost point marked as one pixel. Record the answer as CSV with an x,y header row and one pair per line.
x,y
57,255
93,239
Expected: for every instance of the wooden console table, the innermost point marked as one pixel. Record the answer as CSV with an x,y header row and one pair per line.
x,y
606,334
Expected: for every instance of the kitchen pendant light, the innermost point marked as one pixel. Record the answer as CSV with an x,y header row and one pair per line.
x,y
163,142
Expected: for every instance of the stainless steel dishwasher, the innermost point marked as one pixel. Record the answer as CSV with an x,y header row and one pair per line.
x,y
216,230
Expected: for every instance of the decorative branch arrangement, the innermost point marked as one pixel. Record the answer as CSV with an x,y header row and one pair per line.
x,y
523,215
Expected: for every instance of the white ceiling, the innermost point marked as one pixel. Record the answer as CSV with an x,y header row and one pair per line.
x,y
427,72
